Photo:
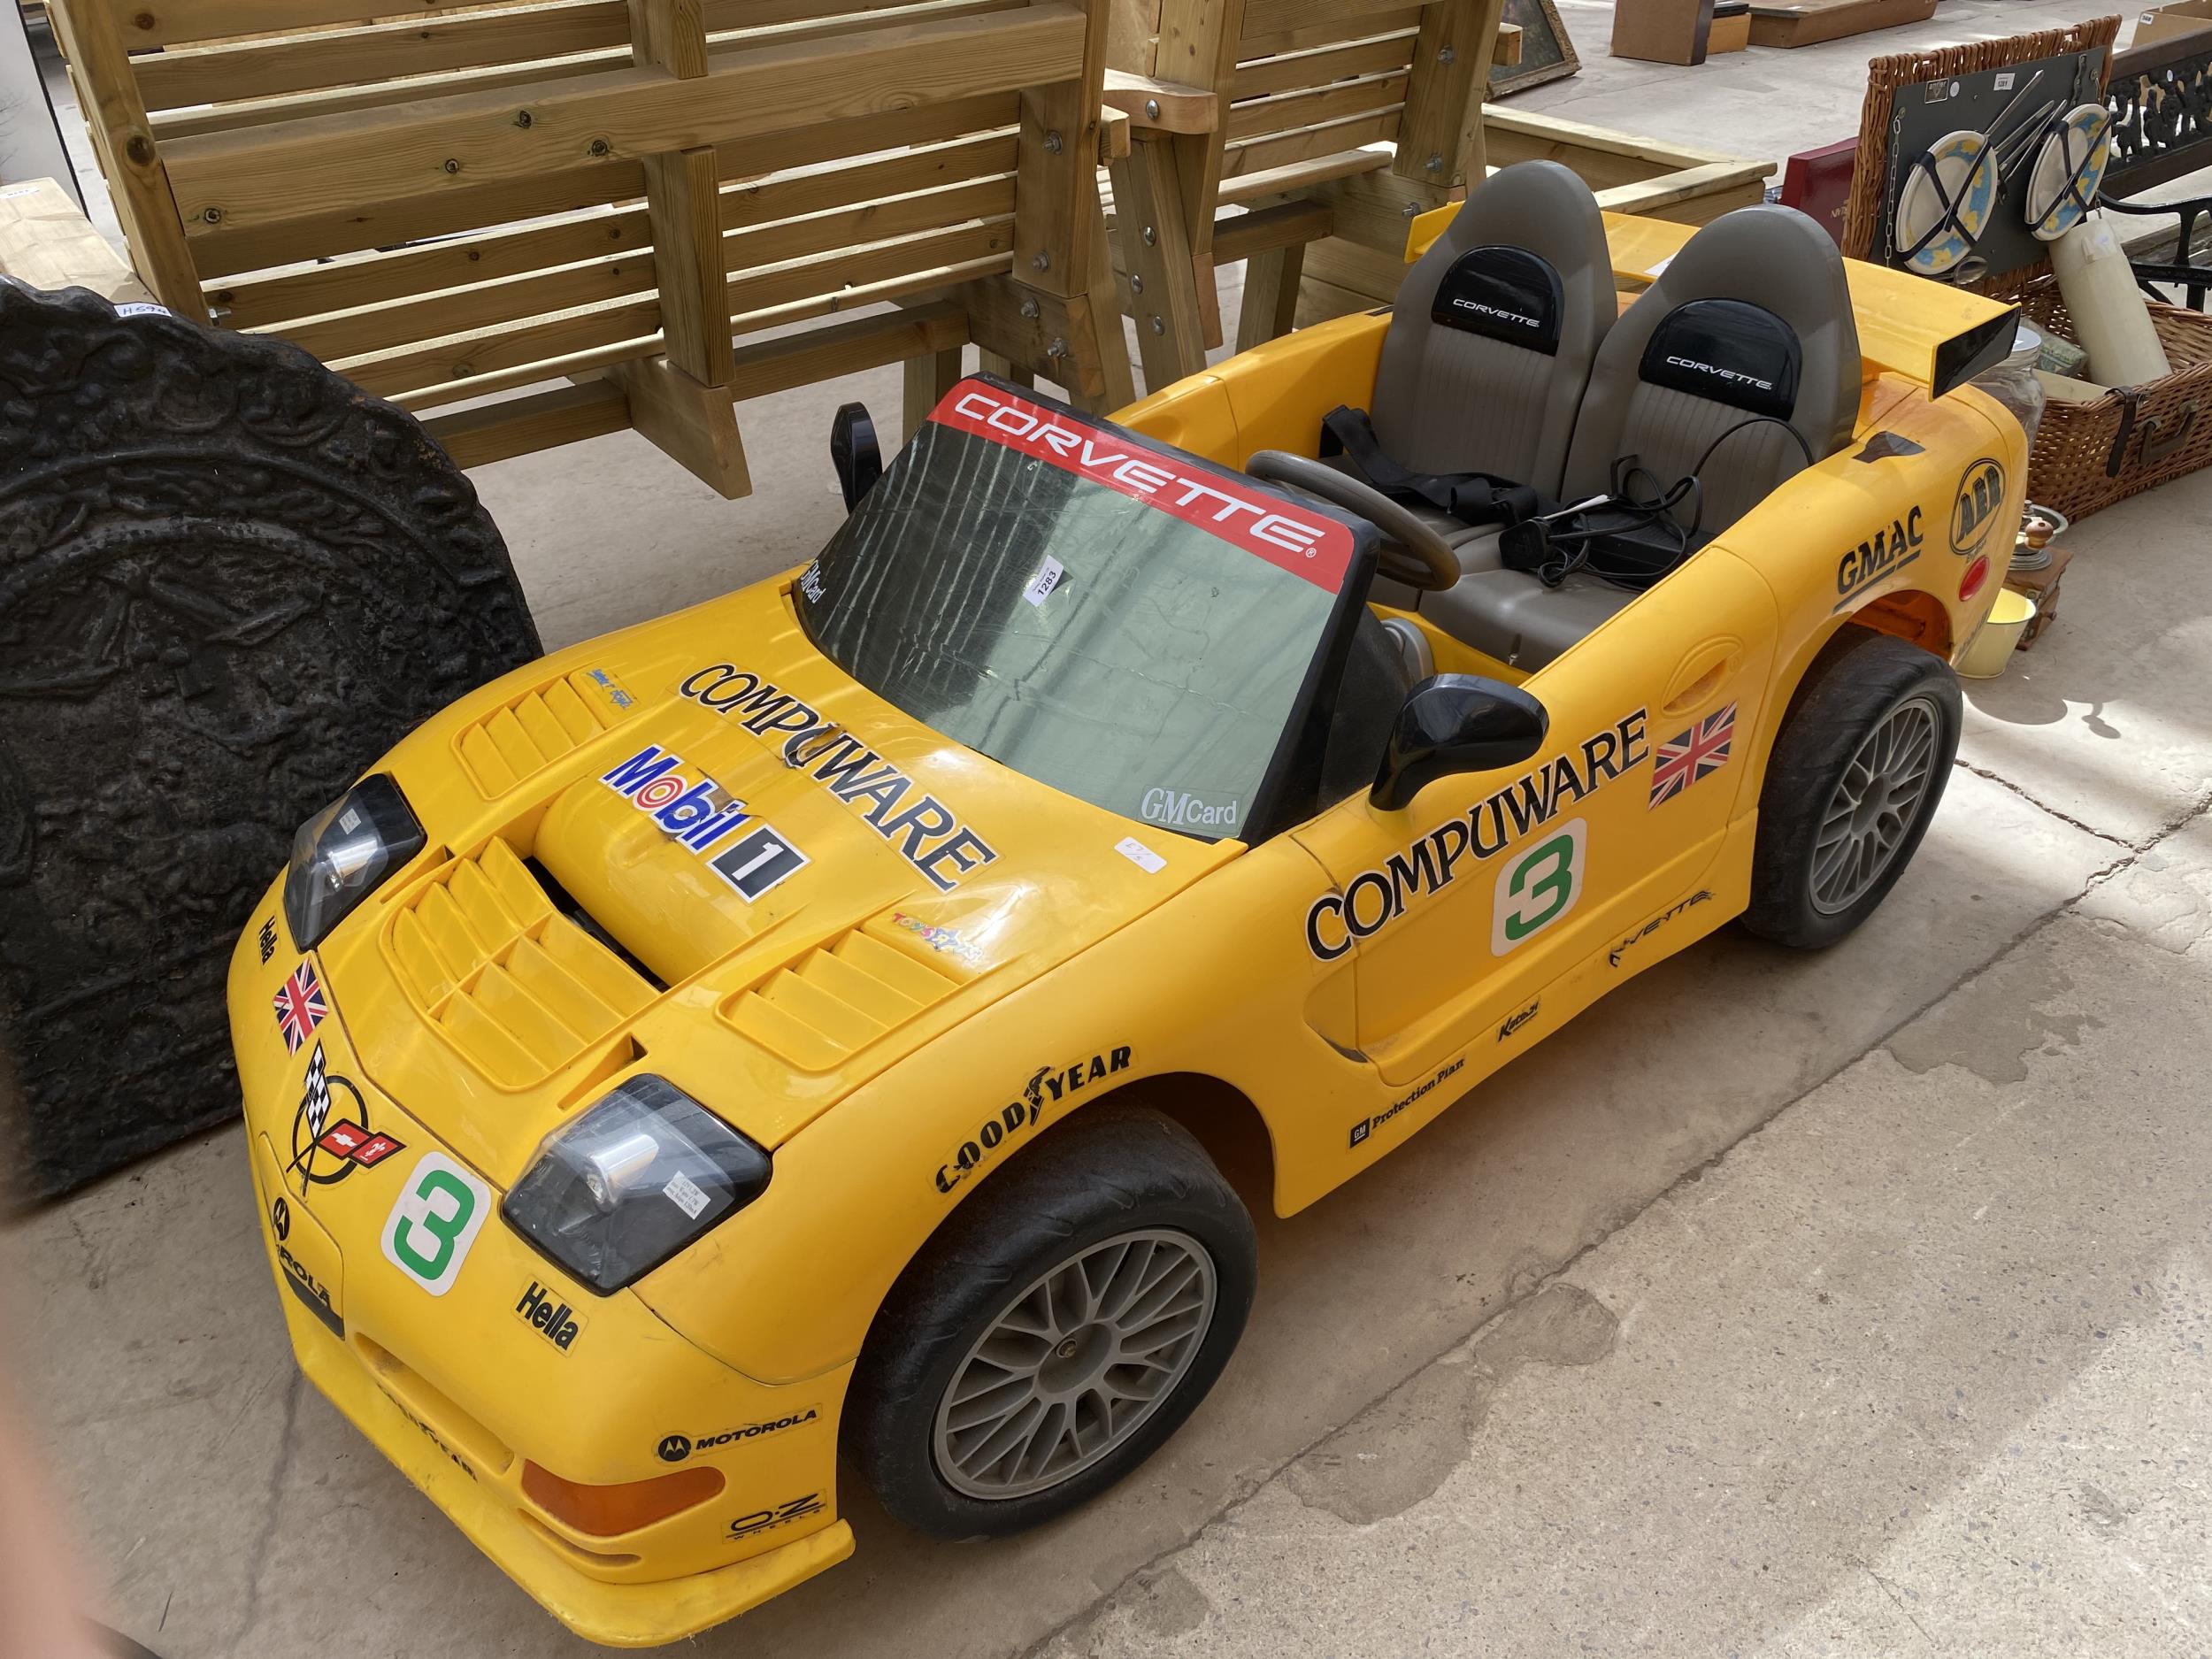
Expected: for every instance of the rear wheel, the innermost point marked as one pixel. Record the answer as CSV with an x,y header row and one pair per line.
x,y
1855,778
1057,1330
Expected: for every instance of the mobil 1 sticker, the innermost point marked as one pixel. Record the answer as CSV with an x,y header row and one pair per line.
x,y
756,861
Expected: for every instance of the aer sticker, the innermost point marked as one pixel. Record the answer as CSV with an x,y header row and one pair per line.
x,y
437,1217
1539,886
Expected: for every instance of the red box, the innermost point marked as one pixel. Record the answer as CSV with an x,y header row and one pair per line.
x,y
1818,182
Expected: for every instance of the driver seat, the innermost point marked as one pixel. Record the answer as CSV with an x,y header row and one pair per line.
x,y
1749,330
1491,341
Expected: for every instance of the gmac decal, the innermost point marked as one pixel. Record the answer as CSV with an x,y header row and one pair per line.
x,y
1048,1087
928,834
1880,557
1375,898
697,815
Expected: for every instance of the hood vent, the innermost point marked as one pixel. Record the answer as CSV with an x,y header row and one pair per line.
x,y
838,998
516,743
513,985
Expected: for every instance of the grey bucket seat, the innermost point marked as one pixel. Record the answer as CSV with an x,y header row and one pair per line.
x,y
1492,334
1750,322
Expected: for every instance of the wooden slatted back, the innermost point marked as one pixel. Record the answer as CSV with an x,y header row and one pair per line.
x,y
476,197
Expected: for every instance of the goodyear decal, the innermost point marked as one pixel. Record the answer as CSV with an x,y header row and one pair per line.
x,y
927,833
1373,899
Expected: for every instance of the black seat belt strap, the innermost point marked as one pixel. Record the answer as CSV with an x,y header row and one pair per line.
x,y
1473,498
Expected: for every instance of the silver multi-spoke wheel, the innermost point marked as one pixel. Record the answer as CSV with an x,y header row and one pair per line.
x,y
1073,1364
1874,807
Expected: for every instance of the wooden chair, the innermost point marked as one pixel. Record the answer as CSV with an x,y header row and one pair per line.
x,y
634,200
1303,137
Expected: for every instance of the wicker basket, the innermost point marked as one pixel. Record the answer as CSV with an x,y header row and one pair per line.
x,y
2088,456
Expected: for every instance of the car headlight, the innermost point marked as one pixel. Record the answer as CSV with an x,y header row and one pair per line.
x,y
343,852
638,1176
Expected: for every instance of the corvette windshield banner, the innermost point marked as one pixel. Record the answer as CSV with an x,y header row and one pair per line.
x,y
1307,544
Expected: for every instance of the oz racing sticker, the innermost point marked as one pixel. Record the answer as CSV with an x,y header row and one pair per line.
x,y
436,1218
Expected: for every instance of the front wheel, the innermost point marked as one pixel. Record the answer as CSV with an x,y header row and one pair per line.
x,y
1856,778
1057,1330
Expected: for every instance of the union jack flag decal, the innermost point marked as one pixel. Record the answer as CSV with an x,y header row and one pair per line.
x,y
300,1007
1683,759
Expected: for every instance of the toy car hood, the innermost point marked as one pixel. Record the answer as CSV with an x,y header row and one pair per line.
x,y
761,881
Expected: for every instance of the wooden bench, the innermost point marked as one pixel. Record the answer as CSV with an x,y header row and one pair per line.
x,y
600,214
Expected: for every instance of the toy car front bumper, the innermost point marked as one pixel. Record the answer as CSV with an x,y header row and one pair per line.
x,y
484,1411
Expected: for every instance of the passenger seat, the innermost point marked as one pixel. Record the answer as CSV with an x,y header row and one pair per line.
x,y
1492,337
1753,318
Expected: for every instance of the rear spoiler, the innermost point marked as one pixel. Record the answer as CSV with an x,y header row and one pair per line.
x,y
1928,332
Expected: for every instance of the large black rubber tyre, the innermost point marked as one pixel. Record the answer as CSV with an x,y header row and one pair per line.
x,y
1111,1168
229,580
1857,681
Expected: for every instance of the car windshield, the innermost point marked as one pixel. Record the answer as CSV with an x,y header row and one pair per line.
x,y
1108,616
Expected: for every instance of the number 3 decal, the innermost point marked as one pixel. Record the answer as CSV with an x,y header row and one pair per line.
x,y
1538,886
428,1234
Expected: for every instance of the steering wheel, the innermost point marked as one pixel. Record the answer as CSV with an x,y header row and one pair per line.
x,y
1415,554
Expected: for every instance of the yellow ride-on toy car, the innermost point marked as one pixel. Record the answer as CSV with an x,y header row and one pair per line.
x,y
783,1025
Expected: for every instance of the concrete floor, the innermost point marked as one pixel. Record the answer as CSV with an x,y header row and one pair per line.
x,y
1852,1303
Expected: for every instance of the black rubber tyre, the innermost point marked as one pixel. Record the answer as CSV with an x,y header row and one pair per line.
x,y
229,580
1859,680
1112,1169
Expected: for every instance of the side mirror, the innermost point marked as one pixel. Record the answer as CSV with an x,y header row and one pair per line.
x,y
1456,723
854,453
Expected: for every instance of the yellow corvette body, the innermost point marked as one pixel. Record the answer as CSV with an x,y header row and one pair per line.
x,y
967,958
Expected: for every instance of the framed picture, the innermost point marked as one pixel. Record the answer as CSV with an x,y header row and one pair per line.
x,y
1546,54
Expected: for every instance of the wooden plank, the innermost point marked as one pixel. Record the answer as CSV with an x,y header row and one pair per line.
x,y
754,291
1264,155
1293,177
584,363
928,377
1057,167
1198,45
447,362
1377,208
387,327
138,178
809,356
931,282
696,425
828,185
379,278
670,32
522,426
1506,46
687,255
1263,18
1268,33
347,58
1243,236
1519,134
1165,106
1299,70
1269,307
1155,245
870,222
230,250
1696,196
1287,111
231,118
148,23
264,174
1440,140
